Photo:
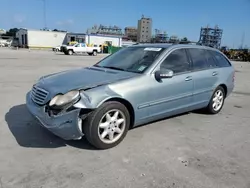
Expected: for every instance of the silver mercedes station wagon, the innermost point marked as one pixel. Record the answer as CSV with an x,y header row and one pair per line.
x,y
134,86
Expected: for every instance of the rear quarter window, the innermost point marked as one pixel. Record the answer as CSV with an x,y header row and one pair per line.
x,y
220,59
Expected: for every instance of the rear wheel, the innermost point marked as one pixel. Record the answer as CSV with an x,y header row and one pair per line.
x,y
94,53
107,126
217,101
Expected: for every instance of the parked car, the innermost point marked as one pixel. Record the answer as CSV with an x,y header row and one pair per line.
x,y
136,85
80,48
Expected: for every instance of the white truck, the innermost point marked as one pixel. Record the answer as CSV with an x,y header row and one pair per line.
x,y
81,48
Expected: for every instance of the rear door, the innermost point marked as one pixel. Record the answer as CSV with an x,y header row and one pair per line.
x,y
205,75
226,71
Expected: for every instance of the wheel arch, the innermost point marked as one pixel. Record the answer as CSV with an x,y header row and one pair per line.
x,y
225,89
127,104
71,50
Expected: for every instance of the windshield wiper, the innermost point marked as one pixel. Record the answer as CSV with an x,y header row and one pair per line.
x,y
115,68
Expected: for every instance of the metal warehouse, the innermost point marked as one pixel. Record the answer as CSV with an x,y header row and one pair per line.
x,y
103,39
40,39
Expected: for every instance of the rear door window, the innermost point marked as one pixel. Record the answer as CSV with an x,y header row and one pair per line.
x,y
199,59
221,60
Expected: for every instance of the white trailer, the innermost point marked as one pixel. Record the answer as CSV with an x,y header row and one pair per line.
x,y
102,39
40,38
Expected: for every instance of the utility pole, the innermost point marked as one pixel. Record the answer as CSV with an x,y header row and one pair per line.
x,y
242,40
44,13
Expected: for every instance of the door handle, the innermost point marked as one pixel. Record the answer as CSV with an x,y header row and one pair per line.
x,y
215,74
188,78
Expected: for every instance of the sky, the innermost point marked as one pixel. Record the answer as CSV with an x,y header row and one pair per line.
x,y
177,17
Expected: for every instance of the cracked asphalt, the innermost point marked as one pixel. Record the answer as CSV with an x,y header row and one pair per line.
x,y
193,150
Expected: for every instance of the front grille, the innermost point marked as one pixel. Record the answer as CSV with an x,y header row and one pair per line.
x,y
39,95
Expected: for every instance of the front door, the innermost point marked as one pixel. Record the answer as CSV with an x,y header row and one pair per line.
x,y
77,48
172,95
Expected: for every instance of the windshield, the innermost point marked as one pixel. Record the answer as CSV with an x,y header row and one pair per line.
x,y
131,59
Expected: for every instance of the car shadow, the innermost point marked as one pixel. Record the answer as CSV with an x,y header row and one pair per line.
x,y
29,133
58,53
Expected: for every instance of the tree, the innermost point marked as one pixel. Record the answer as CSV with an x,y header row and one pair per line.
x,y
11,32
185,39
58,30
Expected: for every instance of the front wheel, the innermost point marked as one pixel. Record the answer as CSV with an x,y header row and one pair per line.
x,y
70,52
217,101
107,126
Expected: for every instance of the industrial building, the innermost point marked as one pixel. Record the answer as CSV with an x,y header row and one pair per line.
x,y
174,39
76,37
131,33
144,30
104,39
160,36
105,30
48,39
211,36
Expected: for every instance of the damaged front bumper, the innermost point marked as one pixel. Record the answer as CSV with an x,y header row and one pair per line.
x,y
67,125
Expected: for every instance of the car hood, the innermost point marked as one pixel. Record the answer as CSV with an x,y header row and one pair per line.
x,y
83,78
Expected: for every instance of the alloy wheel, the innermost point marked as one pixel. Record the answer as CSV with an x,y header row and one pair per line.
x,y
111,126
218,100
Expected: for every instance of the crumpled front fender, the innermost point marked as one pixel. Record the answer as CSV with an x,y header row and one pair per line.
x,y
93,98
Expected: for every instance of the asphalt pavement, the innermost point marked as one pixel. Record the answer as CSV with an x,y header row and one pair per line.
x,y
193,150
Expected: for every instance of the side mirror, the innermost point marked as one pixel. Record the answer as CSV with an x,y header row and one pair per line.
x,y
161,74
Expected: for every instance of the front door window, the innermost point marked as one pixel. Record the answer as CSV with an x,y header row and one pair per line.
x,y
177,61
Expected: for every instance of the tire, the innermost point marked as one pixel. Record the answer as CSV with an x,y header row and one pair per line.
x,y
90,53
93,132
94,53
211,108
70,52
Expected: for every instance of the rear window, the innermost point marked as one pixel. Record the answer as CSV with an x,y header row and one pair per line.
x,y
220,59
211,60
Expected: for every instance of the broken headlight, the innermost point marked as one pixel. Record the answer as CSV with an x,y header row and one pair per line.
x,y
68,98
